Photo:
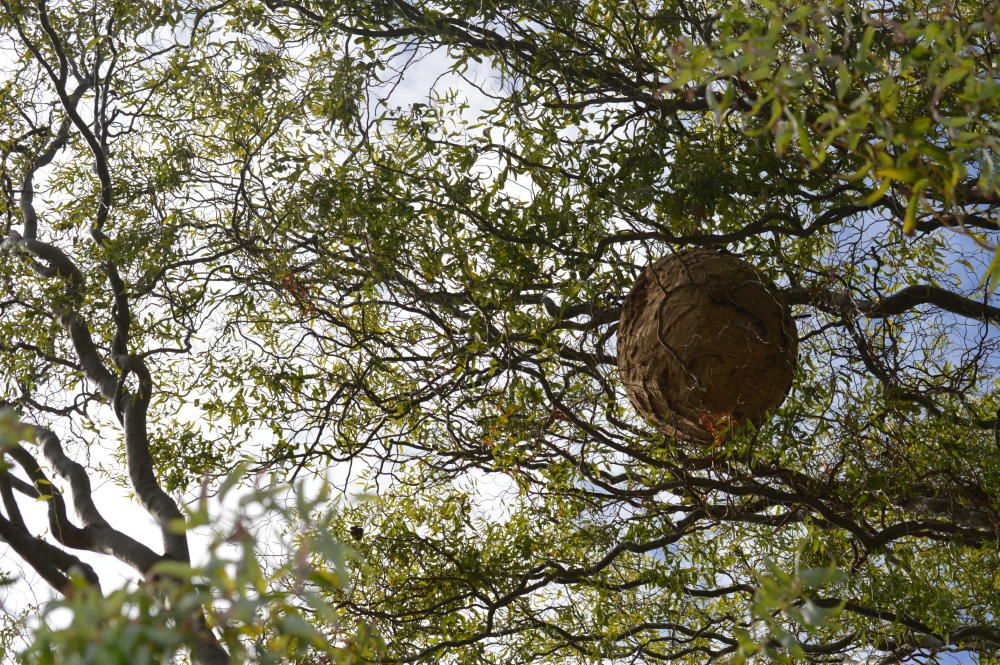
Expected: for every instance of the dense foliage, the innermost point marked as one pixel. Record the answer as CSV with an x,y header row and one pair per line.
x,y
384,246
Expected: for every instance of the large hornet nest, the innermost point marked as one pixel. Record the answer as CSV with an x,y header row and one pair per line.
x,y
705,345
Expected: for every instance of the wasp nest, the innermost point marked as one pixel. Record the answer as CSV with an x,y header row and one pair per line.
x,y
704,344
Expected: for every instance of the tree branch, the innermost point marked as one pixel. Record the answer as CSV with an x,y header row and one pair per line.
x,y
899,302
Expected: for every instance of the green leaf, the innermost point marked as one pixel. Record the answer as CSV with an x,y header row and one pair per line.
x,y
819,577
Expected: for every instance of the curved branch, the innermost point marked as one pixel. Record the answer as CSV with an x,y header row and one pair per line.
x,y
55,262
963,636
52,563
96,535
27,180
90,358
34,551
899,302
25,488
62,528
140,463
10,501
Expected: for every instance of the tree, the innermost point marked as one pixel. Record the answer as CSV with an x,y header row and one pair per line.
x,y
228,238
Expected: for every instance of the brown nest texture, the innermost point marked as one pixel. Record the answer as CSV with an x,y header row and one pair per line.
x,y
705,345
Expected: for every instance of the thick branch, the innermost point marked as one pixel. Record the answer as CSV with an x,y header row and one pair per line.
x,y
140,462
52,563
90,358
62,528
899,302
96,535
27,181
974,635
10,501
55,262
33,551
